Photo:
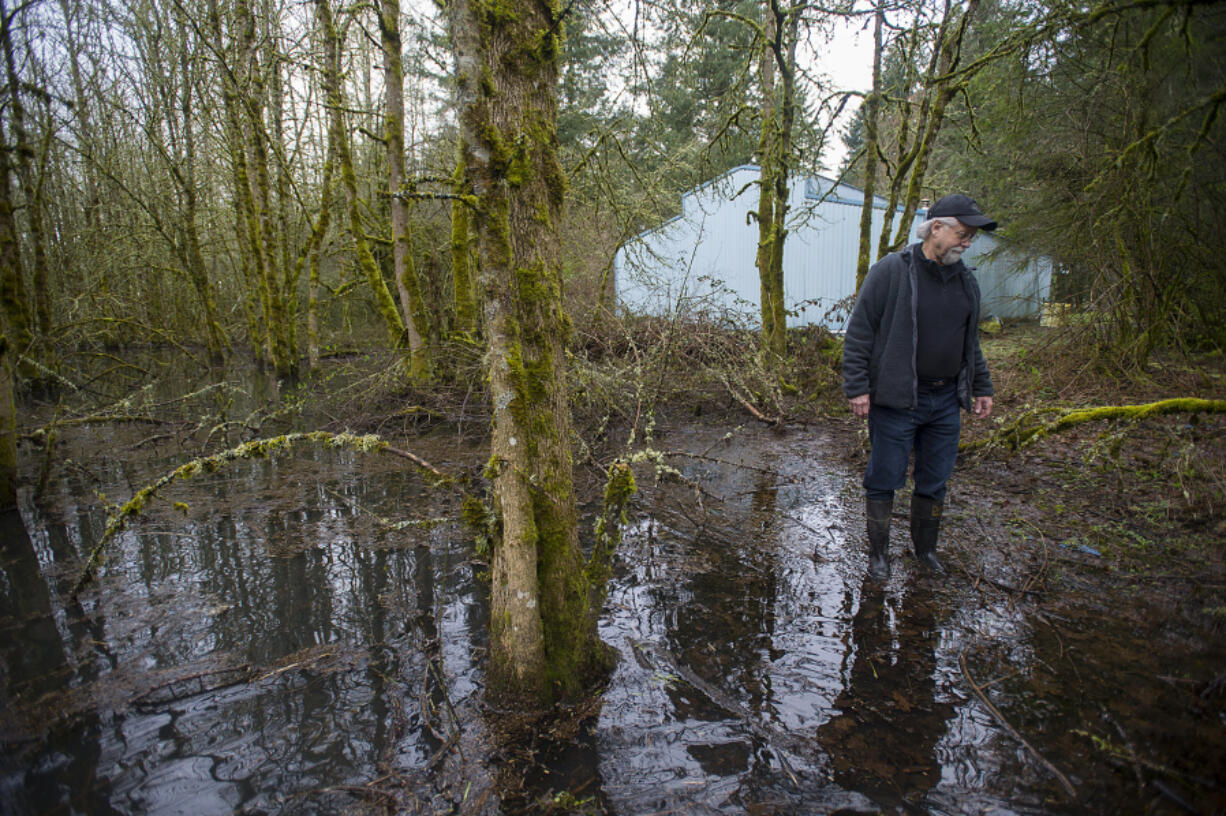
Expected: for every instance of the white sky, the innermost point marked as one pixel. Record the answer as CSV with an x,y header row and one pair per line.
x,y
847,60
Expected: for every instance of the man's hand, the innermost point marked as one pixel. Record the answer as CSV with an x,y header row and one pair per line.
x,y
983,407
859,405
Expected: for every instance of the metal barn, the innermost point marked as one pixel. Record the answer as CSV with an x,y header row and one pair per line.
x,y
703,259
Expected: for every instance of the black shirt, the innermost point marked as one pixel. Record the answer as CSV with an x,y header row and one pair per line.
x,y
942,309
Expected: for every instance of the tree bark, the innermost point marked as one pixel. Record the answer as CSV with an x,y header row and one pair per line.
x,y
24,151
312,252
264,229
951,50
776,147
768,157
8,432
14,308
411,305
339,136
194,256
906,150
543,640
247,226
463,296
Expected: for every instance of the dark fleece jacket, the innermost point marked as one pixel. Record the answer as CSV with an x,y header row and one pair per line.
x,y
879,346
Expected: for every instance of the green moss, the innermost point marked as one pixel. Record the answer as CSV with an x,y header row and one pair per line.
x,y
493,468
519,168
501,155
499,12
254,449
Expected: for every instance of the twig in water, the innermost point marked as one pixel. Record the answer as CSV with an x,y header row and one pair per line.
x,y
1000,718
1132,752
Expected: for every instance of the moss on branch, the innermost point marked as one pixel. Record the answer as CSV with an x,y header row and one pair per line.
x,y
1041,422
118,520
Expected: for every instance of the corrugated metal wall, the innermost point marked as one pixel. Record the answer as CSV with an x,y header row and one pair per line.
x,y
704,258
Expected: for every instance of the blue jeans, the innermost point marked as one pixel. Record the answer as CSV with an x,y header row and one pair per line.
x,y
931,429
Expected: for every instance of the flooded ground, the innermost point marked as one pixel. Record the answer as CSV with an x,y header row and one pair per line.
x,y
306,634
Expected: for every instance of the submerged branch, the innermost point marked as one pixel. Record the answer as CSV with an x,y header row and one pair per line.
x,y
255,449
1000,718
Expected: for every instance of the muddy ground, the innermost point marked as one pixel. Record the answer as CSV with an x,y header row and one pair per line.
x,y
305,634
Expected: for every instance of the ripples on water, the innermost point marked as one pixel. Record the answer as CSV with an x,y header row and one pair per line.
x,y
274,646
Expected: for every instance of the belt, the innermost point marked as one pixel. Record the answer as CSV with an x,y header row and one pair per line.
x,y
940,382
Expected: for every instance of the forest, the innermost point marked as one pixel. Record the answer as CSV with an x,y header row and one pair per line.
x,y
335,476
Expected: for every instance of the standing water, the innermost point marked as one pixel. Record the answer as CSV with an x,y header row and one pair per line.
x,y
306,634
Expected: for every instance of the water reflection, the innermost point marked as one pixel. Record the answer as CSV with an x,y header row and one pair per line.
x,y
359,642
883,740
757,674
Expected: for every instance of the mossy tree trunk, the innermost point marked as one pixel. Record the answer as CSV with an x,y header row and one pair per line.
x,y
275,49
411,304
778,118
904,151
338,134
14,308
767,157
312,253
263,225
251,249
872,106
950,50
543,640
14,305
8,432
193,256
24,169
463,296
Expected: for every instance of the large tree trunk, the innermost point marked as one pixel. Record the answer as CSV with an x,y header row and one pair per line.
x,y
412,308
247,226
543,640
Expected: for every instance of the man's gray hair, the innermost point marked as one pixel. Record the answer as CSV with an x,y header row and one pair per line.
x,y
925,229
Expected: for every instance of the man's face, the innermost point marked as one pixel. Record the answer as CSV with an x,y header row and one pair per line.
x,y
949,242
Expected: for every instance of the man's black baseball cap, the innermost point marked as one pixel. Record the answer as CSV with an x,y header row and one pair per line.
x,y
963,208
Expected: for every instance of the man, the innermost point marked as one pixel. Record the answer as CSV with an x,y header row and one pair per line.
x,y
911,359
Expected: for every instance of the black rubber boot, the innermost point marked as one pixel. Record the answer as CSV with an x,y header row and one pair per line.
x,y
925,527
878,513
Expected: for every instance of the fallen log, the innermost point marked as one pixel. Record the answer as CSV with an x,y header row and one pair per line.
x,y
1041,422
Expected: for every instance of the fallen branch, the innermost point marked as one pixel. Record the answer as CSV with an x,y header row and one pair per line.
x,y
1000,718
1031,426
38,434
255,449
654,653
748,406
181,688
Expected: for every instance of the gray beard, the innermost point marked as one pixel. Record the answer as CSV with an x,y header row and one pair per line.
x,y
952,256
